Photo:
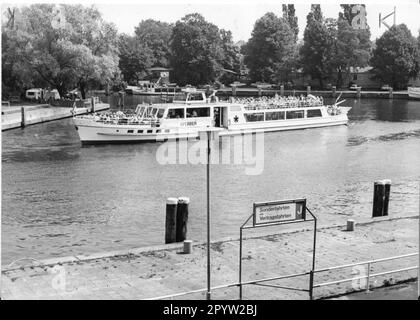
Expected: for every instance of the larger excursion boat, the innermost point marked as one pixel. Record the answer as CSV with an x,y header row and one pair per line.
x,y
192,112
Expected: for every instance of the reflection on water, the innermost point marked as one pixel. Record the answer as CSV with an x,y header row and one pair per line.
x,y
60,199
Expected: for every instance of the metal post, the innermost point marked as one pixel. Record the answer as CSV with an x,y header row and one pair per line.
x,y
240,263
311,279
208,215
368,278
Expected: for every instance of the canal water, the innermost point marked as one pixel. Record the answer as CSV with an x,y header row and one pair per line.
x,y
60,199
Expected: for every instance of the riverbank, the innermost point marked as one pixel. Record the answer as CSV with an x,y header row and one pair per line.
x,y
247,92
143,273
18,116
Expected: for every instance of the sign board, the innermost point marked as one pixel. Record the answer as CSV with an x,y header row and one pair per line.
x,y
275,212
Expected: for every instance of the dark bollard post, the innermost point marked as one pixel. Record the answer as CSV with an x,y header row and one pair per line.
x,y
170,226
308,90
282,90
234,91
386,197
391,95
334,89
92,102
259,91
182,218
23,119
378,198
358,92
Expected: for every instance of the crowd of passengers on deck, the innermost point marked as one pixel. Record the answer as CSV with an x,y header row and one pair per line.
x,y
277,101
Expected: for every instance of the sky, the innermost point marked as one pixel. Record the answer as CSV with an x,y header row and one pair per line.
x,y
239,16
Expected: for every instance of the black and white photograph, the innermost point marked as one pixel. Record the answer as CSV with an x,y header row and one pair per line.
x,y
230,151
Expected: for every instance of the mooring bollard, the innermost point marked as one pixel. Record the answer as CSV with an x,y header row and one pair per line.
x,y
358,92
234,91
188,246
334,90
386,196
350,225
23,118
282,90
259,91
391,94
308,90
378,198
92,102
170,225
182,218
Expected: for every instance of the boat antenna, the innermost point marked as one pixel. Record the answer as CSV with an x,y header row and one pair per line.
x,y
339,96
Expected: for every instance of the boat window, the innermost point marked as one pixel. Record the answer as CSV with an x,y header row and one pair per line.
x,y
195,97
294,114
198,112
149,131
276,115
130,131
251,117
154,111
139,131
160,113
180,96
235,108
175,113
148,112
141,111
311,113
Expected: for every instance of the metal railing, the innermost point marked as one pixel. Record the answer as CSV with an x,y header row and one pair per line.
x,y
368,277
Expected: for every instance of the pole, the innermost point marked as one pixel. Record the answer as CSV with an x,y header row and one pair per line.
x,y
240,264
208,215
311,275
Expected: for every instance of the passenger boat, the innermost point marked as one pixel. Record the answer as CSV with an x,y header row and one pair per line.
x,y
192,111
414,92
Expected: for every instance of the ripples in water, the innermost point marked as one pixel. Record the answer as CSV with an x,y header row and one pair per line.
x,y
358,140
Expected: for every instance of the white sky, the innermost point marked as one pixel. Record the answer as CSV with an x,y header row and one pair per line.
x,y
239,16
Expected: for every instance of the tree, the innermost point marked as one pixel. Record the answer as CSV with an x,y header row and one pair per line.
x,y
318,45
197,52
290,17
231,57
135,59
60,46
348,51
270,50
155,35
395,58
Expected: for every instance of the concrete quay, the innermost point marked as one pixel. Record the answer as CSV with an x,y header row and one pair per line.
x,y
11,116
151,272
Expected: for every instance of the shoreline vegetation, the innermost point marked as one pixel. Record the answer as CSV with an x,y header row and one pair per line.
x,y
65,47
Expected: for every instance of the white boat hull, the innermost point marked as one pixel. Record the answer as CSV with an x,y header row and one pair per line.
x,y
91,132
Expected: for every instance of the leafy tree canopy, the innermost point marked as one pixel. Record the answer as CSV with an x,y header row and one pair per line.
x,y
270,52
396,57
59,46
318,46
197,52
